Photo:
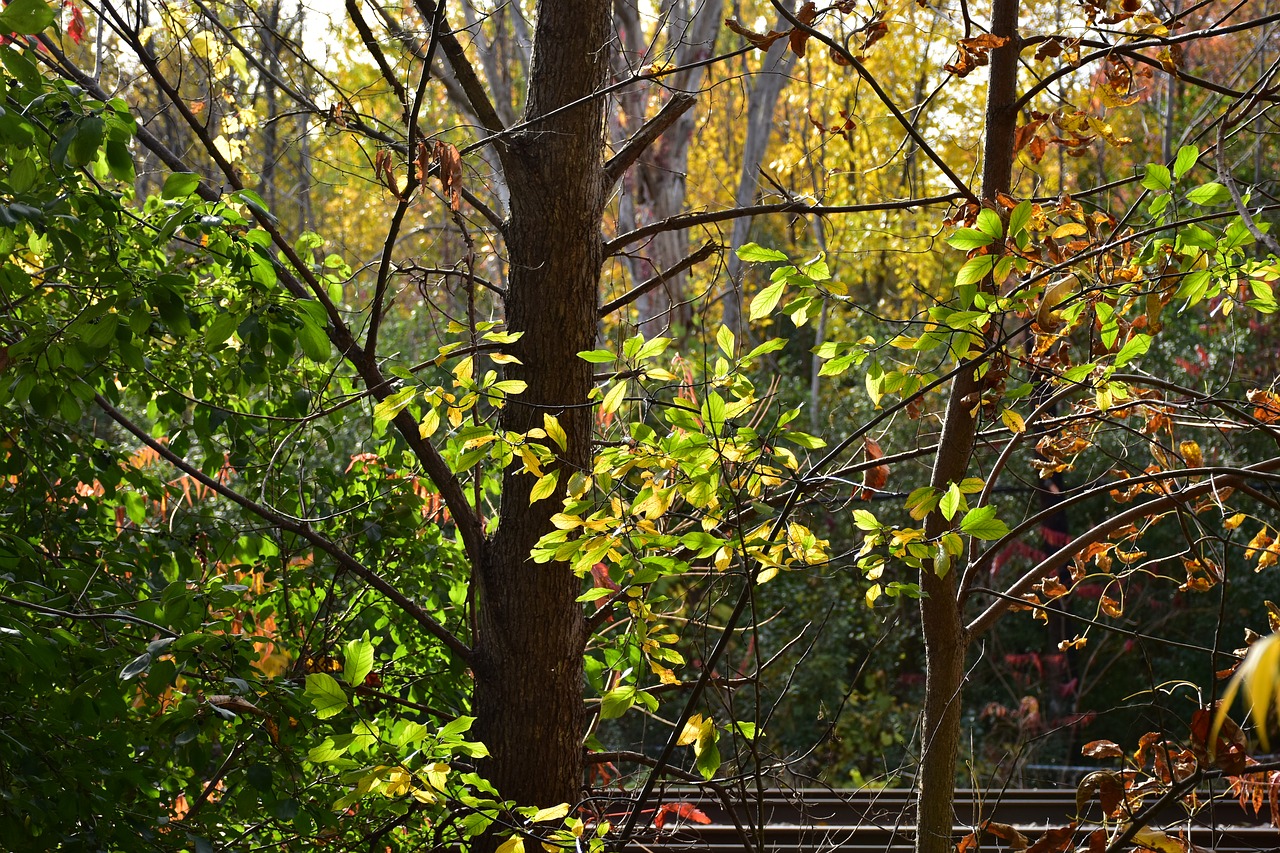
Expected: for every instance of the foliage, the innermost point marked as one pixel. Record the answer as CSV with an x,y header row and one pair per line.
x,y
268,492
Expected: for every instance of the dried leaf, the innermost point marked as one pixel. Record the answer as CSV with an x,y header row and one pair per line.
x,y
1102,749
1056,840
758,41
875,478
1108,785
450,164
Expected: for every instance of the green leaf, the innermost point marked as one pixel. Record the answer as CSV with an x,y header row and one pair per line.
x,y
1134,347
808,442
616,702
314,341
1157,178
966,239
1209,194
950,502
358,662
752,253
772,345
1186,159
325,694
981,523
390,406
763,303
26,17
1019,218
90,131
724,340
455,728
989,223
136,667
975,270
180,185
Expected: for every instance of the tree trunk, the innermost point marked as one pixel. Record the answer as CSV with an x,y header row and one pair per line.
x,y
945,640
530,632
766,86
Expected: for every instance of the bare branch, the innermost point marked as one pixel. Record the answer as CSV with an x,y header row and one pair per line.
x,y
678,105
907,124
116,616
687,220
472,87
1218,479
641,289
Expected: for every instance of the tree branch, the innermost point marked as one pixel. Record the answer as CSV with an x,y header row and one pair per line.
x,y
679,104
472,87
907,124
1227,477
328,546
67,614
649,284
688,220
469,527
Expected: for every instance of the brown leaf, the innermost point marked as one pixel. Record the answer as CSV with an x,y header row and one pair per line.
x,y
1055,840
450,163
1102,749
1108,785
1017,841
758,41
1098,841
873,479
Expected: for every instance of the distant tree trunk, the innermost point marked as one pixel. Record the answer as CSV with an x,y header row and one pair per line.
x,y
945,638
657,183
767,85
530,631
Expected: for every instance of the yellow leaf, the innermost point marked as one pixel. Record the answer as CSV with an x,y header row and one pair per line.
x,y
1013,421
767,575
1191,453
1070,229
544,487
565,522
614,398
1154,839
873,593
690,732
515,844
1234,521
437,774
530,460
555,431
430,423
552,813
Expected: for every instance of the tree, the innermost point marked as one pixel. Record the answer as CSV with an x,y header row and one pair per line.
x,y
400,464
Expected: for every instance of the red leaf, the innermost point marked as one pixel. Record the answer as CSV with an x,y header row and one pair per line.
x,y
76,29
682,811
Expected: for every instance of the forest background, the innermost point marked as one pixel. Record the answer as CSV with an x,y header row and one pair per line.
x,y
450,424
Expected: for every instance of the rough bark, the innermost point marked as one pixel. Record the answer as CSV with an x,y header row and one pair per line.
x,y
945,638
530,632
